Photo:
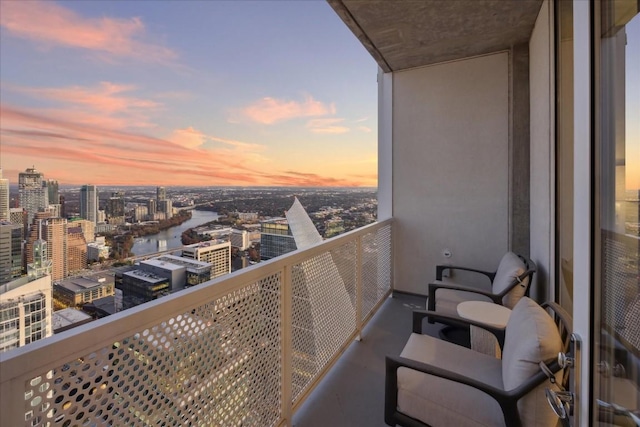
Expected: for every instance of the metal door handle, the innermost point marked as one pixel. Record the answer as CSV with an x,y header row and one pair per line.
x,y
560,402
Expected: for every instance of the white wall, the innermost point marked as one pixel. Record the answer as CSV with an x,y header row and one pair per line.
x,y
542,153
450,167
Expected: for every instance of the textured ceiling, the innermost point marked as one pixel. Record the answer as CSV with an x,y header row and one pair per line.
x,y
402,34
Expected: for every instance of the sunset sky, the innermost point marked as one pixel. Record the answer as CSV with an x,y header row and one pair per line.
x,y
186,93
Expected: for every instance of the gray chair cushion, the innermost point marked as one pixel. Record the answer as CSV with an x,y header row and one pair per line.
x,y
447,300
439,402
531,337
510,267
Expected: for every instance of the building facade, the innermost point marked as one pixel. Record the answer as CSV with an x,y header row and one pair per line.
x,y
217,253
74,292
89,203
4,197
25,312
275,238
54,231
33,195
11,251
240,239
76,249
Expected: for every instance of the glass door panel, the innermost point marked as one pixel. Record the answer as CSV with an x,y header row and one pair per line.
x,y
616,370
564,154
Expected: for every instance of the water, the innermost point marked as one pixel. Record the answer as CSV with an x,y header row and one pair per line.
x,y
171,237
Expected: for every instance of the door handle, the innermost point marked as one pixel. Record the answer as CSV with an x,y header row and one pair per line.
x,y
560,402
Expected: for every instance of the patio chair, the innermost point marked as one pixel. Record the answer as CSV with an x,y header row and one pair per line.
x,y
437,383
509,283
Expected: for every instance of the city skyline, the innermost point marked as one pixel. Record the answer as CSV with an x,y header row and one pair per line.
x,y
186,94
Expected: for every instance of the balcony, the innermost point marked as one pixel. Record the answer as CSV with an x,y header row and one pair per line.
x,y
245,349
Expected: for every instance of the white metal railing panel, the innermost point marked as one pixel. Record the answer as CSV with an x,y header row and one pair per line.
x,y
243,349
323,310
376,268
218,364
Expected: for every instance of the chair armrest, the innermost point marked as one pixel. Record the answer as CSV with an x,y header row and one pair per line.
x,y
419,315
506,399
457,287
442,267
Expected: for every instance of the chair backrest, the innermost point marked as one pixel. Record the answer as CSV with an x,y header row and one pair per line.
x,y
532,336
512,278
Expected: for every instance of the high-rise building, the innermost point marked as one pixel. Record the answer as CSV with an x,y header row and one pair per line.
x,y
89,203
55,233
88,229
215,252
140,213
275,238
240,239
76,249
152,207
166,207
54,210
161,194
35,234
53,191
115,208
11,236
4,197
63,210
25,311
33,196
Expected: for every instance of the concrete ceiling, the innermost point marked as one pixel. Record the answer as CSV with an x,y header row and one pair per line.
x,y
402,34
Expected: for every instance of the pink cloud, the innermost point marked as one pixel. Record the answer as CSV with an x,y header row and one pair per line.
x,y
364,129
106,97
188,137
50,24
271,110
327,126
239,145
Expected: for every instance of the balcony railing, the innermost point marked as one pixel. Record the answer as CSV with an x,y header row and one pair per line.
x,y
244,349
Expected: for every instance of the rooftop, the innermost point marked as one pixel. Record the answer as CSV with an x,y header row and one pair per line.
x,y
144,275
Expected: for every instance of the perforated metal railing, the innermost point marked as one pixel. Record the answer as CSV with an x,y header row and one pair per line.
x,y
241,350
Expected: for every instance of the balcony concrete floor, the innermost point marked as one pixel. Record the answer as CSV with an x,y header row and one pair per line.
x,y
352,393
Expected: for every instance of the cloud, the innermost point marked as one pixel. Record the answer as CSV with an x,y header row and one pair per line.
x,y
302,179
239,144
93,151
189,137
51,25
327,126
106,97
364,129
363,119
271,110
106,104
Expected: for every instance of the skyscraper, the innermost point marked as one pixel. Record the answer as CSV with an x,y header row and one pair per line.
x,y
115,208
76,248
55,233
10,251
152,207
89,203
33,196
166,206
4,197
161,194
52,191
275,238
25,309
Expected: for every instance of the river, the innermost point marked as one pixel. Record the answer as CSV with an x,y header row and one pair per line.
x,y
171,237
